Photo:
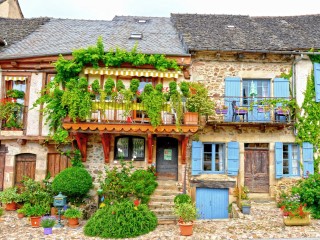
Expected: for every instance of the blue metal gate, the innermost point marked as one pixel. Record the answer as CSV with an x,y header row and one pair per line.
x,y
212,203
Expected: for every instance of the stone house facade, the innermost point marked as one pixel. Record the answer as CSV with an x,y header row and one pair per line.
x,y
10,9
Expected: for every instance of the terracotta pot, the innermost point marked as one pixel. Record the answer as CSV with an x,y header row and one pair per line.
x,y
186,229
54,211
35,222
11,206
20,215
73,222
191,118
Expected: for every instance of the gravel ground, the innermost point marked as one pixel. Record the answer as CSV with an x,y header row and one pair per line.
x,y
265,222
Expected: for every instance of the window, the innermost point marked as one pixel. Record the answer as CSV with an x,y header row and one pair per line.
x,y
213,157
130,148
258,89
291,159
16,83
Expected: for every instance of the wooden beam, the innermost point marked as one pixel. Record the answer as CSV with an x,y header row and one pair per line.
x,y
149,148
184,149
82,140
105,139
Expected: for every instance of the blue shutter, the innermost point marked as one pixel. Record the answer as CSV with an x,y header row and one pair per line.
x,y
232,92
281,90
316,68
279,159
307,154
197,152
233,158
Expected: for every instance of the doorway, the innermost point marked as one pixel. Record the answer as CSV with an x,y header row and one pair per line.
x,y
167,158
25,167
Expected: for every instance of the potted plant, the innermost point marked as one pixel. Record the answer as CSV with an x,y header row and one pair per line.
x,y
263,108
21,212
73,214
35,212
134,86
14,93
10,197
185,90
175,102
109,87
221,109
47,223
187,213
95,88
246,206
199,104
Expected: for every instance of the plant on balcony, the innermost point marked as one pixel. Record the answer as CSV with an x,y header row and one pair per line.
x,y
134,85
185,90
120,85
9,112
175,102
76,99
153,101
95,86
14,93
109,87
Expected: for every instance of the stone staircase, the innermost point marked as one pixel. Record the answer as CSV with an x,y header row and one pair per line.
x,y
161,202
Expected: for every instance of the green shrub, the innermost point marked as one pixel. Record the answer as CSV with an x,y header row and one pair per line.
x,y
73,213
309,189
182,198
74,182
121,220
143,184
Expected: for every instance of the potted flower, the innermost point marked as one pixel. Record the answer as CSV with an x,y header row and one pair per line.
x,y
10,197
47,223
263,108
221,109
281,110
73,214
294,212
35,212
187,213
246,206
14,93
21,213
240,110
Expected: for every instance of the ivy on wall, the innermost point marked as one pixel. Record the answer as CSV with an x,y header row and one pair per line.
x,y
308,120
70,101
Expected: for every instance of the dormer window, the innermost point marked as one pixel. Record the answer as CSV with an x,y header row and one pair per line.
x,y
136,36
142,21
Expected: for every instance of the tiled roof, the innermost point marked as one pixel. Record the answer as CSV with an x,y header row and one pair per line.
x,y
14,30
238,32
61,36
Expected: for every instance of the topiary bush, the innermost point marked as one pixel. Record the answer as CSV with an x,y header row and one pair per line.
x,y
182,198
74,182
309,189
121,220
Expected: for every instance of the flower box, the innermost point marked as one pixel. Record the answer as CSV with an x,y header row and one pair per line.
x,y
297,221
221,111
282,112
263,109
241,111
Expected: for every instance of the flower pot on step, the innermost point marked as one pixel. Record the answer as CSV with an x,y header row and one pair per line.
x,y
47,231
11,206
186,229
35,222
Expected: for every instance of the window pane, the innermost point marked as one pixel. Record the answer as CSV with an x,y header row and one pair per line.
x,y
207,157
295,159
138,148
123,147
219,166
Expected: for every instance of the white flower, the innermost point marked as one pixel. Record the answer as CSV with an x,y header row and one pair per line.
x,y
119,150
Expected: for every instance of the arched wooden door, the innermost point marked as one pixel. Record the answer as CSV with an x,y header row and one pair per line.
x,y
167,158
25,166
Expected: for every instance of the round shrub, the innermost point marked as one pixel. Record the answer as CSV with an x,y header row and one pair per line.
x,y
143,184
182,198
121,220
74,182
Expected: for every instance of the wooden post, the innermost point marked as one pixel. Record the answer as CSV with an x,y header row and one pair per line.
x,y
82,140
149,148
105,139
184,149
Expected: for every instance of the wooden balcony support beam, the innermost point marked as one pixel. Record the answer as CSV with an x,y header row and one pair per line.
x,y
184,149
82,139
149,141
105,139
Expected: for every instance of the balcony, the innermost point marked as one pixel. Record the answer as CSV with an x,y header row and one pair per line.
x,y
249,111
121,116
11,115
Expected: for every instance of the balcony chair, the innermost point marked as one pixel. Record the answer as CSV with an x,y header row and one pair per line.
x,y
236,112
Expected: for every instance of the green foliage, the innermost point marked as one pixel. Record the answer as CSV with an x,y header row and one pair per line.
x,y
134,85
143,184
153,101
308,189
182,198
14,93
74,182
95,86
109,86
1,211
47,222
35,210
200,102
73,213
185,89
120,86
8,112
9,195
186,211
121,220
36,193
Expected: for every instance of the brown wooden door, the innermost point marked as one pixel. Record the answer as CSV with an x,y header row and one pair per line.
x,y
2,165
57,163
25,166
256,165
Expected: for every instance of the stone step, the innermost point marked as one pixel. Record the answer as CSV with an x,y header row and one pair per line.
x,y
160,205
159,198
167,219
165,192
261,197
163,211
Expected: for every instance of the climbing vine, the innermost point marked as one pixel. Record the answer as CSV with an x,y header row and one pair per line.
x,y
308,119
74,100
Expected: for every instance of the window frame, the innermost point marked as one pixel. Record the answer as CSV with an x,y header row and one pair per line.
x,y
290,160
130,148
213,157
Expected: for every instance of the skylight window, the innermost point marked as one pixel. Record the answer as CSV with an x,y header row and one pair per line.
x,y
142,21
136,36
231,27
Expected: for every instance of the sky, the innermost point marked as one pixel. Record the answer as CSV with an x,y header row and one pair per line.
x,y
107,9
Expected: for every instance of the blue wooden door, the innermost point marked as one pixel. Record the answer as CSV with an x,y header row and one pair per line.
x,y
212,203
